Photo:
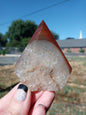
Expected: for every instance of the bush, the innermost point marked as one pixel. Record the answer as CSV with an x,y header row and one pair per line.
x,y
81,50
68,51
2,52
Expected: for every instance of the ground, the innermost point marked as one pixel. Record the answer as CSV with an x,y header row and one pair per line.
x,y
73,93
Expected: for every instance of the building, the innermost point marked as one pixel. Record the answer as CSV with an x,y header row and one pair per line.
x,y
73,45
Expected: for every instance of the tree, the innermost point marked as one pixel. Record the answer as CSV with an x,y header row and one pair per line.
x,y
20,30
69,38
3,40
15,31
29,28
24,42
56,36
1,36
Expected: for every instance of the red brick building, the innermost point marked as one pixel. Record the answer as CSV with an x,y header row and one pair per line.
x,y
73,45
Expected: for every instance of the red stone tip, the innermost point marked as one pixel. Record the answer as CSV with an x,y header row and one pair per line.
x,y
43,33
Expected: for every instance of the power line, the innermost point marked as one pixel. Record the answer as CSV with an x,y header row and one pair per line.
x,y
45,8
39,10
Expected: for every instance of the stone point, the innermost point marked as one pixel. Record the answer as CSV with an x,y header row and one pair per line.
x,y
42,65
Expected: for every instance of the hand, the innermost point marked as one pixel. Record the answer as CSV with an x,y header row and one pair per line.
x,y
20,101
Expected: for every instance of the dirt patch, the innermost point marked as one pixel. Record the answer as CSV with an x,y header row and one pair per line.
x,y
7,76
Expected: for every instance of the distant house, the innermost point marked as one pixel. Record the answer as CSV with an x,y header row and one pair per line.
x,y
72,45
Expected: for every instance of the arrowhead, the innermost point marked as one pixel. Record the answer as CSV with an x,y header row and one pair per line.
x,y
42,65
43,33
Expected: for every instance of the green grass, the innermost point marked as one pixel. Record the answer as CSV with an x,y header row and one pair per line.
x,y
67,109
77,58
3,93
84,63
69,89
71,94
76,81
84,82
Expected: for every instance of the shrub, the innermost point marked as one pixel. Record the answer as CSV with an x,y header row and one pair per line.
x,y
81,50
68,51
2,52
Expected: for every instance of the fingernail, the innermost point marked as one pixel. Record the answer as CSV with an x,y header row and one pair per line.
x,y
21,92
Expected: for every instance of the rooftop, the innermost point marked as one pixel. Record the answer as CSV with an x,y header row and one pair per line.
x,y
72,43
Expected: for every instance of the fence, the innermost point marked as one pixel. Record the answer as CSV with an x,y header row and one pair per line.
x,y
67,109
11,50
18,50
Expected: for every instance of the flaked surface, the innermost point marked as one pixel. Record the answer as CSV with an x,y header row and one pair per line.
x,y
42,67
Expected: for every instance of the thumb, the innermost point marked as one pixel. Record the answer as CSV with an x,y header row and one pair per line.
x,y
21,101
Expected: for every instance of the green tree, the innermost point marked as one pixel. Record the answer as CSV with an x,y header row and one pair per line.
x,y
24,42
16,30
29,28
70,38
56,36
20,30
3,40
1,36
68,50
81,50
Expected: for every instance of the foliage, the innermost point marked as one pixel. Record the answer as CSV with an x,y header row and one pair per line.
x,y
56,36
2,52
24,42
81,50
20,29
1,36
3,40
68,51
69,38
19,32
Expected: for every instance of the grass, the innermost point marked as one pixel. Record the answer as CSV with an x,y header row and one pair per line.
x,y
78,75
78,59
3,93
7,77
67,109
84,64
6,90
84,83
70,94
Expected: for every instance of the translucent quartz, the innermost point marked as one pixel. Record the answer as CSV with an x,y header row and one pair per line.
x,y
42,67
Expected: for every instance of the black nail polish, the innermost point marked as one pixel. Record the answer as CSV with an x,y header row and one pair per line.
x,y
24,87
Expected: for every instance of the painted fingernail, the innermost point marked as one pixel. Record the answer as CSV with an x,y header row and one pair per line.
x,y
21,92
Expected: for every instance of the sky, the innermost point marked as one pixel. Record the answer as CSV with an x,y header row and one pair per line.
x,y
64,17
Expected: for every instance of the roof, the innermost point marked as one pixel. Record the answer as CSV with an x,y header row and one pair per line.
x,y
72,43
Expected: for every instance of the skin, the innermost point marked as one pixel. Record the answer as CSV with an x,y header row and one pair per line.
x,y
35,103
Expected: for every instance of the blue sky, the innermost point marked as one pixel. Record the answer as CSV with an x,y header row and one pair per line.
x,y
66,19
